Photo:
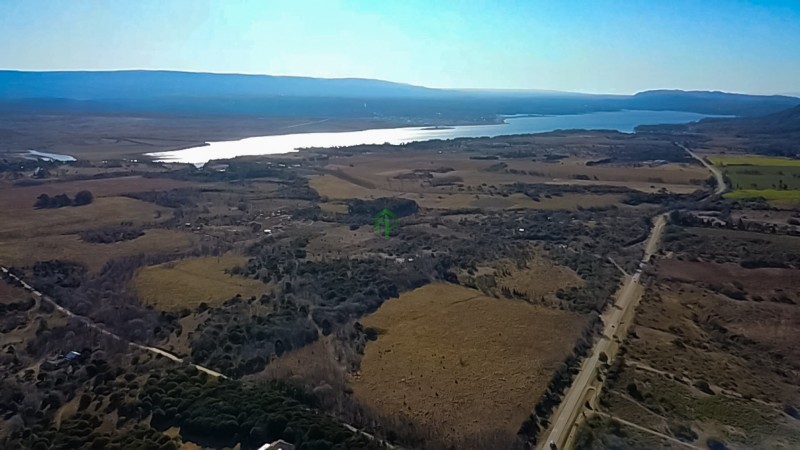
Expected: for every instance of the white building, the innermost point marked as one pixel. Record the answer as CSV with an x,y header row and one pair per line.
x,y
280,444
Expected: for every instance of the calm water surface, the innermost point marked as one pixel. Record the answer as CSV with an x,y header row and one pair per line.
x,y
624,121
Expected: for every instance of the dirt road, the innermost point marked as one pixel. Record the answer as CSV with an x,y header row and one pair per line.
x,y
721,185
649,431
100,329
585,388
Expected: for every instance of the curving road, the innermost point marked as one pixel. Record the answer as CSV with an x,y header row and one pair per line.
x,y
586,387
721,185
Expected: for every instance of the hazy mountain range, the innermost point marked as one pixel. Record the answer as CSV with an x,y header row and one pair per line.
x,y
188,93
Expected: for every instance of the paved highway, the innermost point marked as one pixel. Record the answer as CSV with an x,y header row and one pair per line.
x,y
585,389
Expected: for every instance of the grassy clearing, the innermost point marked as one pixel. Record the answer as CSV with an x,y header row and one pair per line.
x,y
752,160
29,222
410,175
775,179
782,240
381,171
768,194
764,177
741,421
540,279
459,362
334,207
514,201
107,187
70,247
10,294
187,283
337,188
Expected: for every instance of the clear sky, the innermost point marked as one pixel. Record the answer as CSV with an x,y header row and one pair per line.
x,y
611,46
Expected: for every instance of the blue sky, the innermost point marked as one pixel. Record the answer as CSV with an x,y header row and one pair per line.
x,y
610,46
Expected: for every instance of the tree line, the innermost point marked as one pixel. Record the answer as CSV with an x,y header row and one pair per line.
x,y
45,201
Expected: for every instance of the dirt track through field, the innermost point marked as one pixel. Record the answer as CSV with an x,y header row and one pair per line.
x,y
648,430
99,328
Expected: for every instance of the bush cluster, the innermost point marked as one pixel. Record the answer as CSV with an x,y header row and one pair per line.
x,y
61,200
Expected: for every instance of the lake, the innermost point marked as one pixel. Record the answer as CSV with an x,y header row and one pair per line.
x,y
33,154
624,121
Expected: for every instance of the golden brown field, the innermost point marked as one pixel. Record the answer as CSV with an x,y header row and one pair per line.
x,y
107,187
70,247
460,363
338,189
29,222
391,172
107,208
187,283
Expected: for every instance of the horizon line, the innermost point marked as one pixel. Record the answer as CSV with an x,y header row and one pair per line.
x,y
419,86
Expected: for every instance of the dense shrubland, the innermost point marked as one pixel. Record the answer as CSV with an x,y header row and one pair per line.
x,y
123,398
314,298
238,342
364,211
223,413
748,250
175,198
235,170
103,297
112,233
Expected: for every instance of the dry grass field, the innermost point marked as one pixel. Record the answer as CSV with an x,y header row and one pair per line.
x,y
453,181
336,240
10,294
764,283
70,247
539,279
514,201
334,207
336,188
396,173
677,311
187,283
460,363
107,187
314,364
29,222
723,367
107,208
643,186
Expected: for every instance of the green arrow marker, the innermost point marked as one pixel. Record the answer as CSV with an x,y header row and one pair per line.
x,y
386,220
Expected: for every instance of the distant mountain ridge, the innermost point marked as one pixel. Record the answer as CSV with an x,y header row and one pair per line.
x,y
781,122
774,134
714,102
193,93
127,84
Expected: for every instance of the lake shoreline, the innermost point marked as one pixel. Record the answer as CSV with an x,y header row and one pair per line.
x,y
622,121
